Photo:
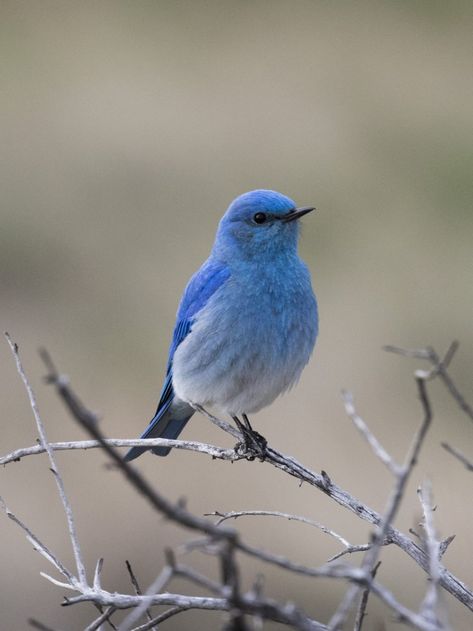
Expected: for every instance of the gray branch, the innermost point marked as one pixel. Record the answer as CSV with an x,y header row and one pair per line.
x,y
440,369
458,455
224,542
59,482
187,445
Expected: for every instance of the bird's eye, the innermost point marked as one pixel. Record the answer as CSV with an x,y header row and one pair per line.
x,y
260,218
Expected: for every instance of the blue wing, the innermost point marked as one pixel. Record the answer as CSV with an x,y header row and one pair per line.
x,y
200,288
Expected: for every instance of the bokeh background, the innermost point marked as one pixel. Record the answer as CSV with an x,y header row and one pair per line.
x,y
127,128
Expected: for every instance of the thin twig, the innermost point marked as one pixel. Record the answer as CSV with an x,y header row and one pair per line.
x,y
59,481
188,445
305,520
39,545
230,429
156,587
364,430
230,577
348,547
36,624
161,618
459,455
199,579
361,612
439,368
137,588
430,605
104,617
402,477
98,574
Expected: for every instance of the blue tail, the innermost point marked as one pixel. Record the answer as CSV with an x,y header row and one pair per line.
x,y
166,423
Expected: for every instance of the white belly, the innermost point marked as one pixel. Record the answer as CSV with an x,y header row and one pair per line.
x,y
234,360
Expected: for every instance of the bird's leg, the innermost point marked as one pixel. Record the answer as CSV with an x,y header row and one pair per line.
x,y
252,441
256,437
247,423
241,428
249,444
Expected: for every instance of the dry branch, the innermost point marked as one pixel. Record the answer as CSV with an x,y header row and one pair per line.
x,y
225,543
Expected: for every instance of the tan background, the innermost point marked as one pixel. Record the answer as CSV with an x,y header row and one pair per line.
x,y
127,128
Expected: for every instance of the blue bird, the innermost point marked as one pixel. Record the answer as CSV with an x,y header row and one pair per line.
x,y
246,324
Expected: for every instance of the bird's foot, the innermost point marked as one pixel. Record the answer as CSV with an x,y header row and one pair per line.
x,y
252,446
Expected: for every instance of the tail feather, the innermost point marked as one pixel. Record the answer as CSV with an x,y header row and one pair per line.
x,y
167,423
172,430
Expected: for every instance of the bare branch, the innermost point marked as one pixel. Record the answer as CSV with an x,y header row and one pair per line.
x,y
417,353
199,579
348,547
231,580
36,624
225,542
445,543
351,550
54,581
44,442
188,445
230,429
175,512
137,588
39,545
459,455
430,606
402,476
73,402
161,618
98,574
322,482
362,427
269,609
360,614
104,617
439,368
156,587
235,514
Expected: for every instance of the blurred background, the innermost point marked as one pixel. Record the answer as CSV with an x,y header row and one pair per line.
x,y
127,128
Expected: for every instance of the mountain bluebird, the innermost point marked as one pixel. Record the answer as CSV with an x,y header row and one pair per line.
x,y
246,324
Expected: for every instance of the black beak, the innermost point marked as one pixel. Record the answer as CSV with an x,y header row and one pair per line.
x,y
297,213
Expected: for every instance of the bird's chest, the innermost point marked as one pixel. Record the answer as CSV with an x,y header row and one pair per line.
x,y
271,313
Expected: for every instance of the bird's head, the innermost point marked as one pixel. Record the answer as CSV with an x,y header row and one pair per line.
x,y
260,223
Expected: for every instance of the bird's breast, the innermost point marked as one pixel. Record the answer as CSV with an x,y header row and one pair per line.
x,y
249,343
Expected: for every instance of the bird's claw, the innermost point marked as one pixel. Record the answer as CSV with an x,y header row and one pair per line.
x,y
252,446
